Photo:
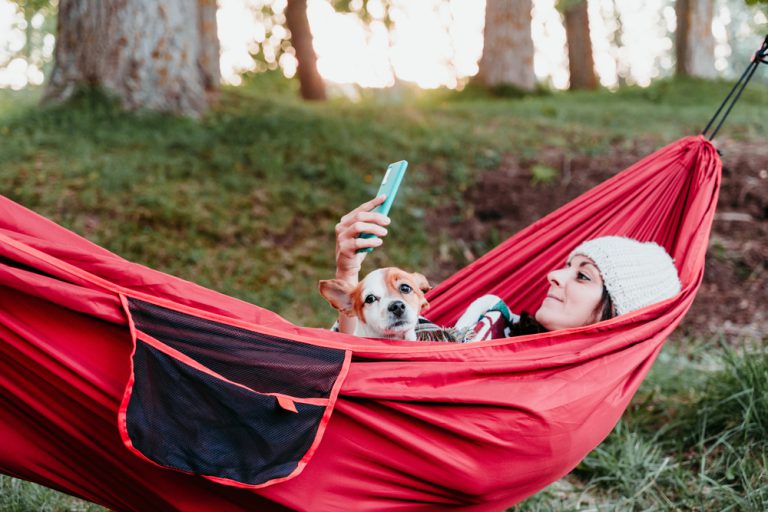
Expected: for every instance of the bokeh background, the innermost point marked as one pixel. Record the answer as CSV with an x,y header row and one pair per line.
x,y
221,141
431,43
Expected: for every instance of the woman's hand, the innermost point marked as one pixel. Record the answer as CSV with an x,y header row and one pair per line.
x,y
360,220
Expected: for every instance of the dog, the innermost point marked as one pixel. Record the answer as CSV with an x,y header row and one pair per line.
x,y
386,303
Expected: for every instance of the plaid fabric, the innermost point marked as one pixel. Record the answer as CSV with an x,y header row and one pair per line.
x,y
492,324
427,331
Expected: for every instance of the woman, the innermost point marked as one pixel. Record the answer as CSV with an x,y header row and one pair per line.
x,y
602,278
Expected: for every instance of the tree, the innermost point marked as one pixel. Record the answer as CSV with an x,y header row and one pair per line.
x,y
150,54
210,50
312,85
695,44
580,60
507,58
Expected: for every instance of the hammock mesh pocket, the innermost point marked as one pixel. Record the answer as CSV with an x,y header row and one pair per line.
x,y
224,402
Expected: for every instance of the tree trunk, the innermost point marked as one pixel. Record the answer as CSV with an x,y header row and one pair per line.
x,y
508,47
580,61
311,83
209,57
147,52
695,44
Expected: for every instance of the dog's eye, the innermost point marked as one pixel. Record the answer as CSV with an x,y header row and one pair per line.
x,y
370,299
404,288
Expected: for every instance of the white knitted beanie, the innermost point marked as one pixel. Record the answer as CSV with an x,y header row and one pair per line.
x,y
636,274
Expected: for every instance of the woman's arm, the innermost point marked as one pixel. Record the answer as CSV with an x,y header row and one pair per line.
x,y
348,260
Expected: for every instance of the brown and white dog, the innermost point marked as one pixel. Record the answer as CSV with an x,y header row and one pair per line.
x,y
386,303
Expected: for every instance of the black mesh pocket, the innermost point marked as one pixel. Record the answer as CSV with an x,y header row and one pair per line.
x,y
224,402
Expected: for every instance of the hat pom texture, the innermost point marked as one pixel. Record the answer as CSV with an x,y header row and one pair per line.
x,y
636,274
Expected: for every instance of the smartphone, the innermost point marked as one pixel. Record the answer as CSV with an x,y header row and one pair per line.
x,y
389,186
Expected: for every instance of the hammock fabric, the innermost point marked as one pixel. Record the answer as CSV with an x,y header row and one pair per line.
x,y
140,391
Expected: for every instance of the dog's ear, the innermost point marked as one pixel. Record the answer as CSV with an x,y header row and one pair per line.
x,y
338,293
421,282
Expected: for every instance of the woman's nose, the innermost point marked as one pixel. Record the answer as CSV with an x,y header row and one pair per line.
x,y
555,277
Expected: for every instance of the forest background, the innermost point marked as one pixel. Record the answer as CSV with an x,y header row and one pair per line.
x,y
230,167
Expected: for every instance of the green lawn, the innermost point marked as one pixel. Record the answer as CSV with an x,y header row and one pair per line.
x,y
245,200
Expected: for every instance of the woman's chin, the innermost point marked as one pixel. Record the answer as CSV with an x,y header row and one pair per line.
x,y
542,318
552,321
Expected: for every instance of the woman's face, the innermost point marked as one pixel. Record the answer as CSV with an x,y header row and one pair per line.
x,y
574,297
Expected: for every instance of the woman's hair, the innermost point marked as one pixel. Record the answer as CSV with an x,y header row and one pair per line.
x,y
605,308
526,325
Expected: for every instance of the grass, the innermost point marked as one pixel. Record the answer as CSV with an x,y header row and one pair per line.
x,y
244,201
20,496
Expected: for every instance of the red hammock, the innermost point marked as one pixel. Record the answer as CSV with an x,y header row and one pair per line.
x,y
110,370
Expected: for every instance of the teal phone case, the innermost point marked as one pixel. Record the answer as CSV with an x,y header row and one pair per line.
x,y
389,186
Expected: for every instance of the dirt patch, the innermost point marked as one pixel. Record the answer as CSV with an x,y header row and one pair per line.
x,y
734,294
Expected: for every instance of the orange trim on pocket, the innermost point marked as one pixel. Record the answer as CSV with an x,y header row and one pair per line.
x,y
287,404
122,412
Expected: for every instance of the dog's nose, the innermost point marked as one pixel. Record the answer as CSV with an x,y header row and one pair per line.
x,y
397,308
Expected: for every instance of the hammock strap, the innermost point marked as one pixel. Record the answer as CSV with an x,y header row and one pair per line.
x,y
760,56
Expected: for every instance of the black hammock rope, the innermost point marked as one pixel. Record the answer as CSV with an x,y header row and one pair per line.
x,y
760,56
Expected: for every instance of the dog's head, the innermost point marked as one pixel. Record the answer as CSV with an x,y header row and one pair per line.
x,y
386,303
